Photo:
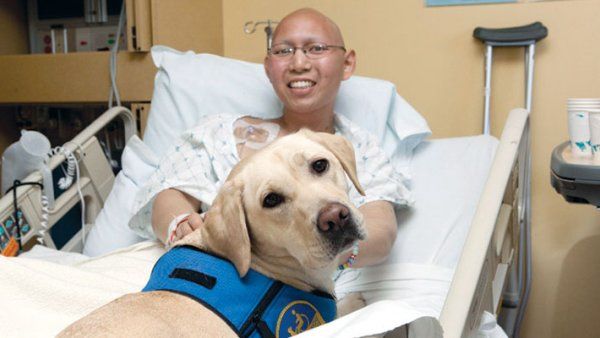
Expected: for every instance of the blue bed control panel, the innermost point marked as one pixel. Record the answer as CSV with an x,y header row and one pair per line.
x,y
8,228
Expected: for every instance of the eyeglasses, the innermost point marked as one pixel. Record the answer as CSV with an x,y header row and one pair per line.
x,y
312,50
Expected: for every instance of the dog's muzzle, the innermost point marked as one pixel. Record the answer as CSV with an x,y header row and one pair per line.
x,y
338,227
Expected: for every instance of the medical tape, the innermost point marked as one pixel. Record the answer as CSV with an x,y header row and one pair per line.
x,y
255,136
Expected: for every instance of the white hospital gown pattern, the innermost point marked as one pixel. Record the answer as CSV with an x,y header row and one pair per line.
x,y
203,156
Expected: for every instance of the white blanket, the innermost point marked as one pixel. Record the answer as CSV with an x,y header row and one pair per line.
x,y
42,297
47,295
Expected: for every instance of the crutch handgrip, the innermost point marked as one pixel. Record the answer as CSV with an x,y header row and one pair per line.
x,y
518,36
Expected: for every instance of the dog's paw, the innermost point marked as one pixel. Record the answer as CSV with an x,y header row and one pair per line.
x,y
352,302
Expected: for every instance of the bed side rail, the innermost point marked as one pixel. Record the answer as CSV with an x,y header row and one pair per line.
x,y
116,112
96,180
475,285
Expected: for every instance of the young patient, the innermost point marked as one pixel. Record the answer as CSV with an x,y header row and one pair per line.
x,y
306,64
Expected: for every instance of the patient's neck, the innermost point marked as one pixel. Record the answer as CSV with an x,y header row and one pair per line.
x,y
289,271
318,121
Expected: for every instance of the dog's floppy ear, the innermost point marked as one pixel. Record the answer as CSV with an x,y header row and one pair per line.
x,y
225,231
342,149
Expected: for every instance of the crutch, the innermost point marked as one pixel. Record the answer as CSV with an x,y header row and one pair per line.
x,y
522,36
519,283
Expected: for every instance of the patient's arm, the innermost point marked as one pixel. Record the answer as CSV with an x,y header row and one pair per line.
x,y
380,221
169,204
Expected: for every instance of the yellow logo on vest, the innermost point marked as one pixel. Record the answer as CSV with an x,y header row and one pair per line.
x,y
298,316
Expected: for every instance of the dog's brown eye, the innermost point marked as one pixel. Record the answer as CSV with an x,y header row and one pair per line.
x,y
320,166
272,200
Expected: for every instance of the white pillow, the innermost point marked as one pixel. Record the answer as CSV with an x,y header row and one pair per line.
x,y
188,86
110,230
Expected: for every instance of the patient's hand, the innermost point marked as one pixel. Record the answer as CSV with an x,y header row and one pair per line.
x,y
350,303
193,222
169,203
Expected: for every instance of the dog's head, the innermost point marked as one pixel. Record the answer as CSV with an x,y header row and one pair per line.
x,y
287,204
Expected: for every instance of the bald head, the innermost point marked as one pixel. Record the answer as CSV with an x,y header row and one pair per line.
x,y
307,80
308,14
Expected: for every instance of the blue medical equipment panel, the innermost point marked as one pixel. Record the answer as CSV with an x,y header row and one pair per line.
x,y
8,228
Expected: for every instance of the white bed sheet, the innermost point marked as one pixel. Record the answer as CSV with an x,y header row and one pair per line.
x,y
448,179
411,287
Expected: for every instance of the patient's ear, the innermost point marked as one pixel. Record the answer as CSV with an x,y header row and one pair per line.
x,y
225,232
349,64
267,66
342,149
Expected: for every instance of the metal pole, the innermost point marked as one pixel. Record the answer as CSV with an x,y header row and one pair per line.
x,y
529,54
488,89
269,32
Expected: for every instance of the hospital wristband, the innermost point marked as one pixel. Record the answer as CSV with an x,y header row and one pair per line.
x,y
173,226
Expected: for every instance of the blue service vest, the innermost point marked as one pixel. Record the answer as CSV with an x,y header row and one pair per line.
x,y
253,306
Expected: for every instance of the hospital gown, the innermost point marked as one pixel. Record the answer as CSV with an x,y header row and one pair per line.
x,y
201,159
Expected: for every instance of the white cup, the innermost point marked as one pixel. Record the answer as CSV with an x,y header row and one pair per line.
x,y
594,116
583,136
579,132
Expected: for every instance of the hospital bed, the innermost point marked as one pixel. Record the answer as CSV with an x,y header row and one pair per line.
x,y
459,250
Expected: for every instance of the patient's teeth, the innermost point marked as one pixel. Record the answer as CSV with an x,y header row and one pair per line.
x,y
301,84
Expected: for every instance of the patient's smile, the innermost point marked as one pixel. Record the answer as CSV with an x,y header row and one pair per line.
x,y
301,84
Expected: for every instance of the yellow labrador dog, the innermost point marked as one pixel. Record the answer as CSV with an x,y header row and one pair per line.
x,y
262,264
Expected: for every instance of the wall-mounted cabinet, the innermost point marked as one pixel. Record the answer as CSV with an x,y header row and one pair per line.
x,y
181,24
84,76
13,27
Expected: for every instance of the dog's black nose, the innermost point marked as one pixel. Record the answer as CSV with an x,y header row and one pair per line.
x,y
333,218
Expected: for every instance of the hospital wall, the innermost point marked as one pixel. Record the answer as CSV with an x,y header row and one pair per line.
x,y
430,54
12,16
